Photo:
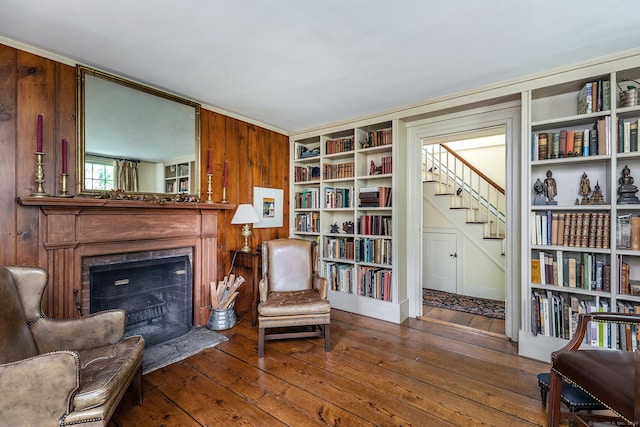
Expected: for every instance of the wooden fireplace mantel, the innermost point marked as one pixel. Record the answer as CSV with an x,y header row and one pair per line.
x,y
76,227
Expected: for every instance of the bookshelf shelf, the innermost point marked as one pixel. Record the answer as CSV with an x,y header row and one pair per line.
x,y
591,273
353,161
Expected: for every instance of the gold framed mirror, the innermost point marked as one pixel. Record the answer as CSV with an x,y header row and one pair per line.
x,y
134,138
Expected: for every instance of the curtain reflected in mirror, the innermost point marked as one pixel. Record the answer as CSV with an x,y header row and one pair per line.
x,y
130,136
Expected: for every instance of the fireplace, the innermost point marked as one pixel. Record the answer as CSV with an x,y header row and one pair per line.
x,y
153,287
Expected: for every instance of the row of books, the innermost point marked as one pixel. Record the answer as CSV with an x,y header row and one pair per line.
x,y
594,97
628,232
628,335
571,269
340,276
376,138
340,145
377,251
626,285
339,248
374,197
387,165
572,143
628,136
308,222
377,225
338,170
308,199
306,173
556,315
374,282
338,197
571,229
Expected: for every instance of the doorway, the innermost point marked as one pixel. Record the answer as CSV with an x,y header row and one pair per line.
x,y
447,128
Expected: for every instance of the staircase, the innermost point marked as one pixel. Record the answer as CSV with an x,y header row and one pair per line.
x,y
483,202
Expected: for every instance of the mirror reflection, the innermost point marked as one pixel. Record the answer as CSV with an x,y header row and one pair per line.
x,y
135,138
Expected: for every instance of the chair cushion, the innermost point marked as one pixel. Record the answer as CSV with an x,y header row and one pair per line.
x,y
294,303
104,369
16,340
607,375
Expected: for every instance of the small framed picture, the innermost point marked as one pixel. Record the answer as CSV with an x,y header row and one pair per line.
x,y
268,205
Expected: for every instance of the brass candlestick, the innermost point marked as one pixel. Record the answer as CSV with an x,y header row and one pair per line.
x,y
63,185
39,176
224,195
209,189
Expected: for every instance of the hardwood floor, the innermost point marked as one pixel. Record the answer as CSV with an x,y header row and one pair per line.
x,y
377,374
476,322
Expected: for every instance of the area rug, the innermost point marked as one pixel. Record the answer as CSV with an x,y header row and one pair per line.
x,y
177,349
473,305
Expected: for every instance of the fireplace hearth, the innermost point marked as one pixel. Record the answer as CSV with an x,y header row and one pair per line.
x,y
155,293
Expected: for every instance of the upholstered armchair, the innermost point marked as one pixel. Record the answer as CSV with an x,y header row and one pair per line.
x,y
292,293
612,377
60,372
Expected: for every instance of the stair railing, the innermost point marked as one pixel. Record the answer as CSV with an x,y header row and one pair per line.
x,y
484,200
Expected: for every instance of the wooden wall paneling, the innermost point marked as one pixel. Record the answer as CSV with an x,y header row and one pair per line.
x,y
237,192
65,105
8,148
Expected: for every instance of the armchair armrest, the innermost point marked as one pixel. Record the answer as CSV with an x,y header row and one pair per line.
x,y
320,283
38,390
263,287
583,321
92,331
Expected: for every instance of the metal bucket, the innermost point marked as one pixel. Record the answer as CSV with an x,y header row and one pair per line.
x,y
222,319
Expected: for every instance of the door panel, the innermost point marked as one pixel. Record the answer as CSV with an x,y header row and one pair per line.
x,y
440,261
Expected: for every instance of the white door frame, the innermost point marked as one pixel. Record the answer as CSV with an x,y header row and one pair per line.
x,y
508,115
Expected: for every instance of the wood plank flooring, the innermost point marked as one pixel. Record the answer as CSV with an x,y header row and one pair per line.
x,y
378,374
476,322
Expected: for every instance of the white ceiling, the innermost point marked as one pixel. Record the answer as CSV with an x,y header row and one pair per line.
x,y
295,65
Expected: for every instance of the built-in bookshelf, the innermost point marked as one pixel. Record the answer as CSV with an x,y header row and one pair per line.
x,y
177,177
343,197
578,249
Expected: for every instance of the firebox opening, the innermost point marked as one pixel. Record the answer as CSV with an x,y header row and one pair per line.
x,y
156,294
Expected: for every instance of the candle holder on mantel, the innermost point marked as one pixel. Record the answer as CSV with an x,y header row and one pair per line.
x,y
63,186
224,195
39,176
209,189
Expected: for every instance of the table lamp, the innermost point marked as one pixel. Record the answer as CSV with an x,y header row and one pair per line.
x,y
245,214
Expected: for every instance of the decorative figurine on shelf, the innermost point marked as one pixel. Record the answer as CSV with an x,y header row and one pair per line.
x,y
347,227
538,189
375,170
626,189
550,189
334,228
585,189
596,197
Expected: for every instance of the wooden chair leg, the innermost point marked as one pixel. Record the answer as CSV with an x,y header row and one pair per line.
x,y
136,385
260,342
553,404
327,337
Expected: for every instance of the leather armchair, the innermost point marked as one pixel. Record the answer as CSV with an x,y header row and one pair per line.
x,y
612,377
61,372
292,293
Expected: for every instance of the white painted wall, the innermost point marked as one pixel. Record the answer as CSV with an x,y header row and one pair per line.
x,y
491,161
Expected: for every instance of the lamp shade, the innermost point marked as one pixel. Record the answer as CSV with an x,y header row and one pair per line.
x,y
245,214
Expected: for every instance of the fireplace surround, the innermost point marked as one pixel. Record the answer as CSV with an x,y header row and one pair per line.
x,y
74,229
